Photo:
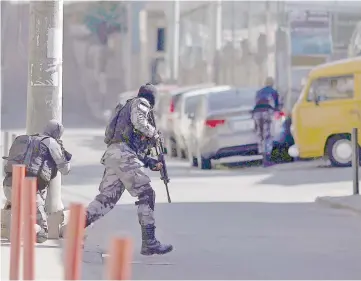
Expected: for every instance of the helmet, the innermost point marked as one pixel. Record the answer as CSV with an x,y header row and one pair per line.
x,y
54,129
148,91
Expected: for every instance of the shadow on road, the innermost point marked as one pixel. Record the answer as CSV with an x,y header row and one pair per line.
x,y
312,175
238,241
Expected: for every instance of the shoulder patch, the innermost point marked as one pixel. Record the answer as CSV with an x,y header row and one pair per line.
x,y
143,107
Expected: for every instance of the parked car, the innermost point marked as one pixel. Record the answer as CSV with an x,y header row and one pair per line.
x,y
161,109
184,109
222,126
167,101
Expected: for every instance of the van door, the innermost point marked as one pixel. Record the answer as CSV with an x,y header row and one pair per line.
x,y
357,86
331,108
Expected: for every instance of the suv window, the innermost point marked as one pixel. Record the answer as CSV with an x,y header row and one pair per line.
x,y
231,99
191,104
176,99
332,88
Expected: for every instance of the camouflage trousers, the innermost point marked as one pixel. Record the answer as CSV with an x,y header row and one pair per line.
x,y
263,121
41,216
123,171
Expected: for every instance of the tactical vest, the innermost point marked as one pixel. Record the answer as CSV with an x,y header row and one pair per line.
x,y
30,151
121,129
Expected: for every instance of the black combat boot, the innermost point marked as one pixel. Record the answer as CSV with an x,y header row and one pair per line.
x,y
42,235
150,245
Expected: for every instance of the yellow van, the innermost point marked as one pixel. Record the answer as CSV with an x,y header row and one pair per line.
x,y
327,110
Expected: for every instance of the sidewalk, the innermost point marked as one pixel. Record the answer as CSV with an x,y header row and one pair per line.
x,y
49,265
351,203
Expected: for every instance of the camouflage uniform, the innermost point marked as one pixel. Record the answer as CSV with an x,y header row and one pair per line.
x,y
51,158
124,160
263,121
123,170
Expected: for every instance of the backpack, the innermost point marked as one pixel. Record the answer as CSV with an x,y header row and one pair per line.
x,y
110,129
21,151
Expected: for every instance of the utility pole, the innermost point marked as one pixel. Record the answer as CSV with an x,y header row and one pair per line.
x,y
1,90
175,39
250,35
127,46
218,40
44,99
270,39
289,61
233,30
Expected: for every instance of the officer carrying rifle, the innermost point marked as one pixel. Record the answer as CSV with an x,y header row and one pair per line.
x,y
130,135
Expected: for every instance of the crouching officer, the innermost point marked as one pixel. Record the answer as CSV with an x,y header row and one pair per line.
x,y
43,155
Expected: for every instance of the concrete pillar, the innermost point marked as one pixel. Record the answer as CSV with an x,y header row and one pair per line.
x,y
44,100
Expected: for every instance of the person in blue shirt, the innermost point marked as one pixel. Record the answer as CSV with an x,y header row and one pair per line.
x,y
266,103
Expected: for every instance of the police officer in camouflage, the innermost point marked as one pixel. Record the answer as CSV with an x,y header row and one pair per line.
x,y
267,102
43,155
128,136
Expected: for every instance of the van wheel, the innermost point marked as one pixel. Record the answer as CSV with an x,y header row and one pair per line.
x,y
339,150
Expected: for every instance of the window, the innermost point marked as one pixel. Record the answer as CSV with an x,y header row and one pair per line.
x,y
191,104
161,39
199,112
332,88
231,99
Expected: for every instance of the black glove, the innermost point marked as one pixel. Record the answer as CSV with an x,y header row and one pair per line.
x,y
150,163
158,137
60,142
67,155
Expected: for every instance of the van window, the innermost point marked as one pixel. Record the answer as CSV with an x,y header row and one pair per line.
x,y
331,88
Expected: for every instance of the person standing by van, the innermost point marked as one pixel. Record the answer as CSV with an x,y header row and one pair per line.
x,y
266,103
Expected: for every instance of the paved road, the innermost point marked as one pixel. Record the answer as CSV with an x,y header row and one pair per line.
x,y
250,223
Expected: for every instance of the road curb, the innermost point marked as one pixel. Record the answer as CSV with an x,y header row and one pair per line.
x,y
343,202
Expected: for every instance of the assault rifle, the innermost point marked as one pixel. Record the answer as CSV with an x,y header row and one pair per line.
x,y
159,149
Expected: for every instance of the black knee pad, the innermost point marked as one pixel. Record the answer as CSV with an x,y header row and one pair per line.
x,y
147,197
